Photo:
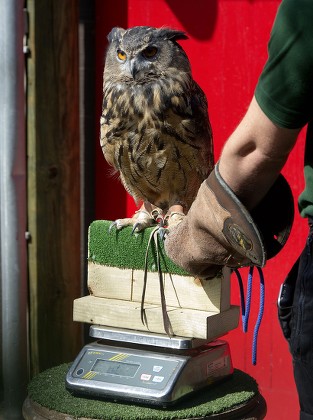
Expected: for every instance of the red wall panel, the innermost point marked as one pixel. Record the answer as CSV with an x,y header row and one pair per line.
x,y
227,48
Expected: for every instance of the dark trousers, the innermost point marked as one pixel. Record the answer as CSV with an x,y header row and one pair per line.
x,y
297,325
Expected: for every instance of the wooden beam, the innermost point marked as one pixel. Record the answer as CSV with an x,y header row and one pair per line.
x,y
125,314
180,291
53,181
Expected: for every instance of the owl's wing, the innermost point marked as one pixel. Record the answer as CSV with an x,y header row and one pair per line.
x,y
114,124
203,136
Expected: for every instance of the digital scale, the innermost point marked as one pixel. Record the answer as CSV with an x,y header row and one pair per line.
x,y
146,368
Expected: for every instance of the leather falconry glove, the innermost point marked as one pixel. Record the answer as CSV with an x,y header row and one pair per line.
x,y
219,231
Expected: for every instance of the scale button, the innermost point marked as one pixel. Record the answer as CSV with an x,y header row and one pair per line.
x,y
145,377
158,379
80,371
157,368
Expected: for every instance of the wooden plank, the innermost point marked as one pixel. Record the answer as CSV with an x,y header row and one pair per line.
x,y
125,314
109,282
53,181
180,291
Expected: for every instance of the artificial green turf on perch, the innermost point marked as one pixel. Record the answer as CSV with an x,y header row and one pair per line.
x,y
119,248
48,390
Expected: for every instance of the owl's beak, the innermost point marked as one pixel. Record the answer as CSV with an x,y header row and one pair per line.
x,y
133,68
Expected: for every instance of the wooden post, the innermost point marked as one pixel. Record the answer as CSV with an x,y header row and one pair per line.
x,y
53,181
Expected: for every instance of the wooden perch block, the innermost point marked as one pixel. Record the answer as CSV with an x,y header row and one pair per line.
x,y
116,271
126,314
180,291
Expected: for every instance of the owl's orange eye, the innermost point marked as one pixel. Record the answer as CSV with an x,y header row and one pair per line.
x,y
150,52
121,55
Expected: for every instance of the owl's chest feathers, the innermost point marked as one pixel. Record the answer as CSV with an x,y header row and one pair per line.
x,y
148,127
161,105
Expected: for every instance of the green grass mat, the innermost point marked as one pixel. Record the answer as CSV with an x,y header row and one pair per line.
x,y
119,248
48,390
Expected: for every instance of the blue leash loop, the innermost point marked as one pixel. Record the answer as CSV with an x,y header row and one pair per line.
x,y
246,305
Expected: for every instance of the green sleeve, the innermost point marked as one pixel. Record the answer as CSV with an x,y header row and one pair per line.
x,y
285,88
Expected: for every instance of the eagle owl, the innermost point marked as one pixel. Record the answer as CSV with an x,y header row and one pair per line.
x,y
155,129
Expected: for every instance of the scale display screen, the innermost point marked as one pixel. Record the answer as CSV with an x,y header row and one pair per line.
x,y
110,367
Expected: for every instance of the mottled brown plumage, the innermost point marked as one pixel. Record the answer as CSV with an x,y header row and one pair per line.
x,y
155,129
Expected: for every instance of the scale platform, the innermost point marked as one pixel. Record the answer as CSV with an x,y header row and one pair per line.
x,y
146,368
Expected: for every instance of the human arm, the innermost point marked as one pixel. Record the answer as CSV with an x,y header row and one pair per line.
x,y
255,154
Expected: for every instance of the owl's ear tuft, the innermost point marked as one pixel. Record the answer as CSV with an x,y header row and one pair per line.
x,y
172,34
115,34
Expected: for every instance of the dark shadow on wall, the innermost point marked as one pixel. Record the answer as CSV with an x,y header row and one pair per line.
x,y
197,17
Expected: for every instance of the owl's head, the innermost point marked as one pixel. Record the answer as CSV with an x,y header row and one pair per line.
x,y
144,53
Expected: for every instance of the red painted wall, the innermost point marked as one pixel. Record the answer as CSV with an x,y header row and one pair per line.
x,y
227,48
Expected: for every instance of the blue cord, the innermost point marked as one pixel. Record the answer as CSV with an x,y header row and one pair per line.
x,y
245,306
260,316
248,301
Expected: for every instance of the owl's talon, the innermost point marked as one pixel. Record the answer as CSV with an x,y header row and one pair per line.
x,y
119,224
112,225
136,228
140,221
